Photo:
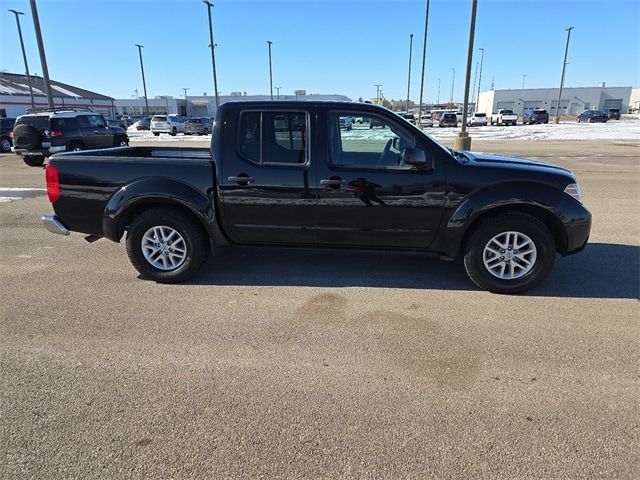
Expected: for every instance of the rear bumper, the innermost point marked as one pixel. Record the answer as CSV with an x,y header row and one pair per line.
x,y
40,152
53,225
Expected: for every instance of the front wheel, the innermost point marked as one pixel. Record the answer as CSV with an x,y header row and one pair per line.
x,y
5,145
33,160
166,246
157,134
511,253
174,132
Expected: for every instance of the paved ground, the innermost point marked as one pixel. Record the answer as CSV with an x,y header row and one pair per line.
x,y
297,364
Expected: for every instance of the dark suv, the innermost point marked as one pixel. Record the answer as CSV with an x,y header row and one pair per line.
x,y
38,135
448,120
6,126
538,115
613,113
592,116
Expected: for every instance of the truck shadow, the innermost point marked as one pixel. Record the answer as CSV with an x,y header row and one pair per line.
x,y
602,270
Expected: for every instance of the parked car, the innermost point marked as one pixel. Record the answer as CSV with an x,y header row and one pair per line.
x,y
374,122
409,117
6,130
38,135
426,121
593,116
507,217
346,123
537,115
448,120
142,124
198,126
478,119
504,116
171,124
117,122
613,113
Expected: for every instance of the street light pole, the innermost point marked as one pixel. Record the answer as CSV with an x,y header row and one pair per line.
x,y
409,77
480,77
453,81
424,58
564,66
270,71
438,101
378,85
523,77
43,57
278,91
144,82
463,141
213,52
24,55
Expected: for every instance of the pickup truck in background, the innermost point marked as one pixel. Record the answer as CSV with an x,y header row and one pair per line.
x,y
286,174
505,116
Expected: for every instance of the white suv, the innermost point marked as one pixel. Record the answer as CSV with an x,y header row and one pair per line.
x,y
171,124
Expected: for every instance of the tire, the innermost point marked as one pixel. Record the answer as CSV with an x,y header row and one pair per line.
x,y
174,132
5,145
206,131
75,147
157,134
33,160
194,242
526,225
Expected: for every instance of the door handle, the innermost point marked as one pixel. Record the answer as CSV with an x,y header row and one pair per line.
x,y
332,182
246,179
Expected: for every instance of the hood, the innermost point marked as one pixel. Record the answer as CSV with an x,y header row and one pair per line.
x,y
490,159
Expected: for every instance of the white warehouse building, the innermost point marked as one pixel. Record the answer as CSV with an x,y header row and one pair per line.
x,y
574,100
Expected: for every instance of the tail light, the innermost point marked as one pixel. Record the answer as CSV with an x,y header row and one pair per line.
x,y
53,182
55,133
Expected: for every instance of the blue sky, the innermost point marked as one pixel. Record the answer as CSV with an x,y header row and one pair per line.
x,y
324,46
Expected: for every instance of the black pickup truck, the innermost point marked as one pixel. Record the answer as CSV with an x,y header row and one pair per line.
x,y
285,173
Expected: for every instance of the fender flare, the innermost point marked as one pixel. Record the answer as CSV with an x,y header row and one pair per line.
x,y
520,195
155,191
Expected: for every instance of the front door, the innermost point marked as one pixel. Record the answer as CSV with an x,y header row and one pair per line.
x,y
367,196
98,134
268,192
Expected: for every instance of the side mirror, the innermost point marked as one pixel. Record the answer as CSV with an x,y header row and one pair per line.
x,y
416,158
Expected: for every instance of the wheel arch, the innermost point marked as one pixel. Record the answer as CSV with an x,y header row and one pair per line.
x,y
131,200
536,199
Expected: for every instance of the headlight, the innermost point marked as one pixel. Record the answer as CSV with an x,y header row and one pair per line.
x,y
573,189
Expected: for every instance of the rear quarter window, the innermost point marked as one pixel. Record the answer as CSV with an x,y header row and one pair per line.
x,y
63,123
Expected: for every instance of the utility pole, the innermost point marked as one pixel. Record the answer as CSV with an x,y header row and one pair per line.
x,y
378,85
564,66
424,58
278,91
213,51
453,81
463,141
473,90
24,55
523,77
186,100
43,57
438,101
144,82
270,71
409,77
480,77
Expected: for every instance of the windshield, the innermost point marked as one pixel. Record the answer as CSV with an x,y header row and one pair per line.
x,y
479,114
507,112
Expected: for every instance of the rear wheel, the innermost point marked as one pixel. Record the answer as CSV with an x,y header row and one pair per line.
x,y
75,147
166,246
510,253
33,160
174,132
157,134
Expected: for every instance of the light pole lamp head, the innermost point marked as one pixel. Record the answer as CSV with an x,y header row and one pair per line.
x,y
139,46
208,3
16,12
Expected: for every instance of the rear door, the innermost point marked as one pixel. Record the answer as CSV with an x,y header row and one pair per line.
x,y
267,185
367,197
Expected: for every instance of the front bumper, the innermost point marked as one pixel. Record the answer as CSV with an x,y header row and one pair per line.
x,y
576,220
53,225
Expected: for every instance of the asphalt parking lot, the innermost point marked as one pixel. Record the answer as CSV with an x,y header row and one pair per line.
x,y
300,364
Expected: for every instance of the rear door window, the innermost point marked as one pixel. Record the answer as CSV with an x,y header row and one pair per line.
x,y
60,124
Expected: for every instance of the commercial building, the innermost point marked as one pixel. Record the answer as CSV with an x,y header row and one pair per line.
x,y
204,105
15,98
634,101
573,102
